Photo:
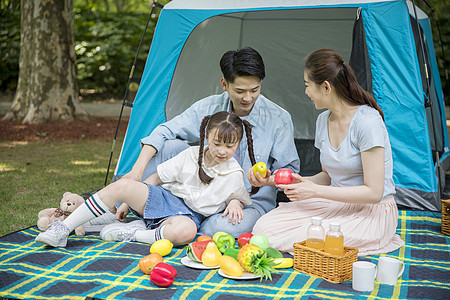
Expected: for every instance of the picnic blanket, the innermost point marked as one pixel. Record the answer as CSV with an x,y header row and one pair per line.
x,y
90,268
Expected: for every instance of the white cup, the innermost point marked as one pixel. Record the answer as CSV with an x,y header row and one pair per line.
x,y
363,276
389,270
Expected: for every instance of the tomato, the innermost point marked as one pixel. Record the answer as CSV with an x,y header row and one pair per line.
x,y
147,263
284,176
203,238
260,168
244,238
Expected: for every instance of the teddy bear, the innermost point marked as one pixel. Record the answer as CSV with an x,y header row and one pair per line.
x,y
68,204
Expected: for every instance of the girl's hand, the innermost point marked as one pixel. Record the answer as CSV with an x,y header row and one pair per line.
x,y
258,181
300,189
234,211
122,212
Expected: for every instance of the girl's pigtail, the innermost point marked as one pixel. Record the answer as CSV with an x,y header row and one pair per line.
x,y
201,173
248,134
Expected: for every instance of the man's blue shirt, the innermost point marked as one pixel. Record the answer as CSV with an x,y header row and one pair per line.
x,y
272,133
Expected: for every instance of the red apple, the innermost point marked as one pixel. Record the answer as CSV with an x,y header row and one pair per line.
x,y
244,238
284,176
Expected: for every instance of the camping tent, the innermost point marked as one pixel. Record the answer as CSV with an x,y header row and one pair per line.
x,y
380,39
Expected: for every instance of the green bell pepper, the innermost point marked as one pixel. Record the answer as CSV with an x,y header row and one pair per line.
x,y
233,252
224,242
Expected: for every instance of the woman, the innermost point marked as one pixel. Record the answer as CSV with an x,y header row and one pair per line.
x,y
355,187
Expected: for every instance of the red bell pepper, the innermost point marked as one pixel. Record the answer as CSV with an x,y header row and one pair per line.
x,y
163,275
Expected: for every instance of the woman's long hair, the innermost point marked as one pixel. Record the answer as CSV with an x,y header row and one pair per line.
x,y
327,65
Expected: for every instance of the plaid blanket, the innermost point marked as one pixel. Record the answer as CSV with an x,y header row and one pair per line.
x,y
90,268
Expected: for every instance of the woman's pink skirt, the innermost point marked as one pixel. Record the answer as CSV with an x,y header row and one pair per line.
x,y
368,227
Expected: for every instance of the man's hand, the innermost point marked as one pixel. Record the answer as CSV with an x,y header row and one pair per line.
x,y
136,173
258,181
133,175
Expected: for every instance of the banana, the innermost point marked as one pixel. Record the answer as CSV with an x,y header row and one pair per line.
x,y
283,263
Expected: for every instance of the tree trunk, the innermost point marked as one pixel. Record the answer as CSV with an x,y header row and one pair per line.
x,y
47,89
107,5
118,5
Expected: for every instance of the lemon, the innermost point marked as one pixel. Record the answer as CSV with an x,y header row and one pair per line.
x,y
260,168
163,247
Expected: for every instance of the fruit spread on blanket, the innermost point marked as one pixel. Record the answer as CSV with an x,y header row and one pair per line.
x,y
253,255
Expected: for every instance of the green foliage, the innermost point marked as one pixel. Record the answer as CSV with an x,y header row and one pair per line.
x,y
35,175
9,44
106,45
115,5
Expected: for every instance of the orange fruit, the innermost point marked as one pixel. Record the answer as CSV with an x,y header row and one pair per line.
x,y
147,263
203,238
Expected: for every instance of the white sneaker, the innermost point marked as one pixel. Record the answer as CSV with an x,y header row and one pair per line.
x,y
55,236
97,224
122,231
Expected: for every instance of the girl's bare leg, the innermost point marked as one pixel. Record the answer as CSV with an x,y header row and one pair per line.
x,y
180,230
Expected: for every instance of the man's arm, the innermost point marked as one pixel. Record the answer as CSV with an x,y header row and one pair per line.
x,y
137,171
185,126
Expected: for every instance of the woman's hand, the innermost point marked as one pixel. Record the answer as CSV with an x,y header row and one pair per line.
x,y
234,211
300,189
258,181
122,212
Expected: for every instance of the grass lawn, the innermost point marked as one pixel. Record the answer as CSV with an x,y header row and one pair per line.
x,y
34,175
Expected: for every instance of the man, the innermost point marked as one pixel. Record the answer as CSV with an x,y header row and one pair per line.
x,y
243,71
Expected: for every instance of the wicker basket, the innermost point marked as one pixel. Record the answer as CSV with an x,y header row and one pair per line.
x,y
445,216
332,268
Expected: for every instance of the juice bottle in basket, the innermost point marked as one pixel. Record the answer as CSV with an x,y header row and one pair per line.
x,y
334,240
315,234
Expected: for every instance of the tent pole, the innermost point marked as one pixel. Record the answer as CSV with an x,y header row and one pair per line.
x,y
124,101
447,87
428,101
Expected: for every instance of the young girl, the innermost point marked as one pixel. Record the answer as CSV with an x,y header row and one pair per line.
x,y
198,182
355,187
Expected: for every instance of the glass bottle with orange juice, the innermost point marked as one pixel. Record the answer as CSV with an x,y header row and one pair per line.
x,y
315,234
334,240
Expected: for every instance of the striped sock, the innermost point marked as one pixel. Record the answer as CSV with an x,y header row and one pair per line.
x,y
159,233
149,236
93,207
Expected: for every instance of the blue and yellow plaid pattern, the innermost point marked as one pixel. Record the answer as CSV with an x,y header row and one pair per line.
x,y
90,268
